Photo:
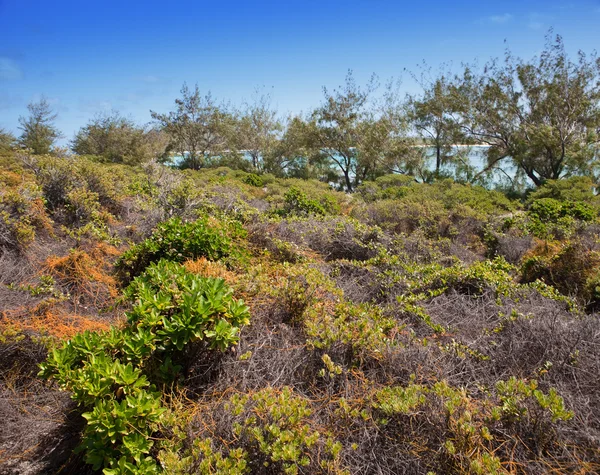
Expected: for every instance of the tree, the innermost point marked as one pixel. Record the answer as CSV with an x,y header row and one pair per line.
x,y
257,130
39,132
198,128
356,137
542,114
434,117
296,154
119,140
7,140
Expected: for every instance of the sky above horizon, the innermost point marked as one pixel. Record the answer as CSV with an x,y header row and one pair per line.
x,y
133,56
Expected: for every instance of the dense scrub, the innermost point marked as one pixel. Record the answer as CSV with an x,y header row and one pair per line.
x,y
220,322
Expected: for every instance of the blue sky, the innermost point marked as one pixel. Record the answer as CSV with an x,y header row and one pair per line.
x,y
88,57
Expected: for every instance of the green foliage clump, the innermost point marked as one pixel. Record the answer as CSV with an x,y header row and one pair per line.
x,y
450,194
570,267
550,218
520,400
362,330
297,203
83,195
253,179
443,209
82,206
212,461
113,374
301,288
177,240
22,215
180,307
473,428
575,189
277,424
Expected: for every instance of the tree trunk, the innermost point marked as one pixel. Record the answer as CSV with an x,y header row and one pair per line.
x,y
348,181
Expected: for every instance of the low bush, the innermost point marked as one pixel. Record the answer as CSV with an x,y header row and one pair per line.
x,y
472,432
253,180
58,177
574,189
114,374
177,240
267,431
552,219
569,266
297,203
333,238
22,215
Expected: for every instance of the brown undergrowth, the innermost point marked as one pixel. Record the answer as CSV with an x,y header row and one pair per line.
x,y
84,275
48,320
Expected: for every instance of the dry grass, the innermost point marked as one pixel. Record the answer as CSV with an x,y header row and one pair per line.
x,y
50,320
206,268
85,275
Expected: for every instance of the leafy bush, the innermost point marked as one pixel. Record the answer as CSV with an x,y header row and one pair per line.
x,y
82,207
297,203
472,431
22,215
451,195
576,189
444,209
276,424
253,180
178,241
357,331
333,238
570,267
550,218
110,373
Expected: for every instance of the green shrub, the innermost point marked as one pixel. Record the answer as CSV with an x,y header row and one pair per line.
x,y
22,215
180,307
449,194
577,188
82,207
520,400
177,240
253,180
276,423
362,331
570,267
473,428
113,374
297,203
550,218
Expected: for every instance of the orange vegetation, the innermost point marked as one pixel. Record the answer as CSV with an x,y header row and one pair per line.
x,y
49,321
206,268
85,274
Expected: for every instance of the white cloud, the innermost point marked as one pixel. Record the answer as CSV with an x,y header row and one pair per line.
x,y
499,19
9,70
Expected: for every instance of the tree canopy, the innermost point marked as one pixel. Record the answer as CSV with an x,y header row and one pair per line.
x,y
118,139
198,128
542,114
39,133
